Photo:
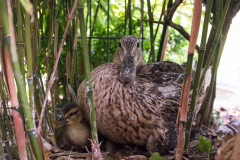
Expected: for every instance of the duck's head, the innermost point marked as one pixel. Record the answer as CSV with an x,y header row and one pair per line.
x,y
72,113
129,56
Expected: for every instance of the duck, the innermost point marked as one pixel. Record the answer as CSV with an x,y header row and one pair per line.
x,y
74,134
136,103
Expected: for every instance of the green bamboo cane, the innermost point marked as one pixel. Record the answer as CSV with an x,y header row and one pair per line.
x,y
216,39
198,72
56,13
150,15
130,17
163,37
74,57
5,138
160,18
20,47
187,78
3,99
2,124
1,146
35,23
87,71
55,87
51,25
215,65
20,83
29,59
6,118
211,93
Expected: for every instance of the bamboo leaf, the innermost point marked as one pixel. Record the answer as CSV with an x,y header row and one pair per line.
x,y
27,6
156,156
177,20
74,97
204,144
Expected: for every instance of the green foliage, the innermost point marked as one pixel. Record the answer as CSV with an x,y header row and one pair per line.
x,y
176,48
204,144
156,156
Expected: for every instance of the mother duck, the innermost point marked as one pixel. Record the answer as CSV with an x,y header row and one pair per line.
x,y
135,103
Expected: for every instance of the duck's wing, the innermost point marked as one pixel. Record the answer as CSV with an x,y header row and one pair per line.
x,y
162,73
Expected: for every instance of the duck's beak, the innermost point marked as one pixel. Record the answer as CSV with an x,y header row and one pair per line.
x,y
128,70
64,121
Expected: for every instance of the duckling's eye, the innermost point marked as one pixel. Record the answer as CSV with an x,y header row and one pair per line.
x,y
119,44
138,45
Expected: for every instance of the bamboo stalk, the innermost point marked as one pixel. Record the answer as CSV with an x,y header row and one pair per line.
x,y
29,59
20,47
10,38
18,124
3,135
141,24
55,66
164,33
56,74
165,45
35,43
1,145
95,17
214,46
160,18
216,39
150,15
187,78
212,92
51,25
130,17
3,104
87,71
68,73
10,128
74,57
198,72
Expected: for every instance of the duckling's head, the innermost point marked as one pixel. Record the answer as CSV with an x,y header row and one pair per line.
x,y
72,113
129,56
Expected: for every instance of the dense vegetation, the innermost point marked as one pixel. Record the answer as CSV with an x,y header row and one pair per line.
x,y
39,42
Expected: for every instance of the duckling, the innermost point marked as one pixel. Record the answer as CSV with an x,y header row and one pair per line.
x,y
73,135
136,103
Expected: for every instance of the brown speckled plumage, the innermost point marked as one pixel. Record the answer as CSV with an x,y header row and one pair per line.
x,y
73,135
141,111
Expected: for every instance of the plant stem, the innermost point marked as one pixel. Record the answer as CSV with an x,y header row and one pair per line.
x,y
87,71
56,74
191,111
150,15
20,46
216,44
216,39
130,17
74,57
2,125
187,78
160,18
163,37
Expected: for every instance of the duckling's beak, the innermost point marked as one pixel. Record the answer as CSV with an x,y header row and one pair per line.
x,y
64,121
128,70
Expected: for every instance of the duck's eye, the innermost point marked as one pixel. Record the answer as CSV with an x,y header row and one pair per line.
x,y
138,45
119,44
